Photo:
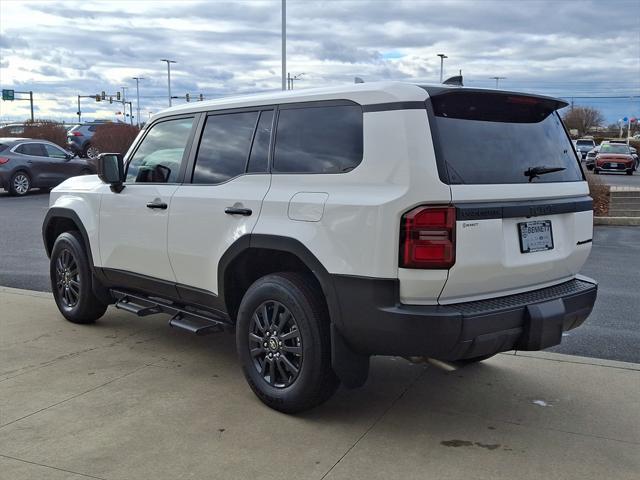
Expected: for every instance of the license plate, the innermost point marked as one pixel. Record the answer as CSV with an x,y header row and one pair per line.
x,y
613,165
535,236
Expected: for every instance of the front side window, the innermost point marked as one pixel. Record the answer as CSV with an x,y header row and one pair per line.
x,y
32,149
54,152
224,147
319,139
160,154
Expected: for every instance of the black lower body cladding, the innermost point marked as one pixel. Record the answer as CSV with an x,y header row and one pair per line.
x,y
375,323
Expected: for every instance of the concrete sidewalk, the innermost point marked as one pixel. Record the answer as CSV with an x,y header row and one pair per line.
x,y
130,398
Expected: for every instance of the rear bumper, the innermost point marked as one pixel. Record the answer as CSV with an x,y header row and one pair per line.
x,y
374,323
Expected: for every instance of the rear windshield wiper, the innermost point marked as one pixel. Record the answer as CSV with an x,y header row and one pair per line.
x,y
534,172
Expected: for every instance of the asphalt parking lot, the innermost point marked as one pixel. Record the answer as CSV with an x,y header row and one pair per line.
x,y
618,179
611,332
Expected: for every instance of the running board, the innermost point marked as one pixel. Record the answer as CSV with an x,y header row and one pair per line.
x,y
187,318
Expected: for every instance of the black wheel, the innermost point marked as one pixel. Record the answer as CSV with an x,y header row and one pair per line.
x,y
71,280
596,171
630,172
19,184
283,342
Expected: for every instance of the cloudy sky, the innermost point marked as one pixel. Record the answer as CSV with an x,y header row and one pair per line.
x,y
585,50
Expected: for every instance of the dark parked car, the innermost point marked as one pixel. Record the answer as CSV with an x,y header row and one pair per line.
x,y
27,163
79,139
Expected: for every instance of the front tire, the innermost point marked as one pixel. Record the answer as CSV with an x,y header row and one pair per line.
x,y
630,172
71,280
19,184
283,342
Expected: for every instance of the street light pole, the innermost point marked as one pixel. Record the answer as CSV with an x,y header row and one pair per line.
x,y
124,104
442,57
284,44
497,79
137,79
169,62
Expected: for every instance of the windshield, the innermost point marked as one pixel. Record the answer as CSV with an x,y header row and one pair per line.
x,y
487,138
609,148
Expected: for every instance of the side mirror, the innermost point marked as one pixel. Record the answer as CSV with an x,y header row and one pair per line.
x,y
69,156
111,170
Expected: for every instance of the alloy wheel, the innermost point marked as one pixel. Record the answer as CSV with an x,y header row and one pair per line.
x,y
275,344
67,279
21,184
92,152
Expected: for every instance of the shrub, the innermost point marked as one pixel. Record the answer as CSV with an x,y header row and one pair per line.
x,y
114,137
43,130
600,194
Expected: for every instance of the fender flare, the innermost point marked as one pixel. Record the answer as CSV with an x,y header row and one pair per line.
x,y
352,368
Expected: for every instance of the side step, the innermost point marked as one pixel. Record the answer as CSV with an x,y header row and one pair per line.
x,y
196,325
127,305
187,318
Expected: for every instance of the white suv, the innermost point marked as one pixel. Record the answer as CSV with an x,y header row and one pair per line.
x,y
330,225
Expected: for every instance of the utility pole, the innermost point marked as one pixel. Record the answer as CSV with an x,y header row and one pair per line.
x,y
31,101
442,57
169,62
124,104
497,79
291,78
137,79
284,43
79,111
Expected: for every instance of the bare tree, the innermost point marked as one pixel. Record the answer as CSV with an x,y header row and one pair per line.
x,y
583,119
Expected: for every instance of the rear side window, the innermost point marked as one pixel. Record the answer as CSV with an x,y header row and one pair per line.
x,y
487,138
259,159
33,149
224,147
318,139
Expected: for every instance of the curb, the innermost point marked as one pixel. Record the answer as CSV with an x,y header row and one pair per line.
x,y
620,221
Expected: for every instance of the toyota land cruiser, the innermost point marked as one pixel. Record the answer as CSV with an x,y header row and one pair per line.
x,y
326,226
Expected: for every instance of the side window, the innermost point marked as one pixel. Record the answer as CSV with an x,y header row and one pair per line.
x,y
159,157
224,147
318,139
259,159
33,149
54,152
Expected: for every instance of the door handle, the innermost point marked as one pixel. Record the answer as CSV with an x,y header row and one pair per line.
x,y
238,211
158,205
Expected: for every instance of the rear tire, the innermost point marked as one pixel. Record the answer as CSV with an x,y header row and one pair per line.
x,y
71,280
19,184
283,342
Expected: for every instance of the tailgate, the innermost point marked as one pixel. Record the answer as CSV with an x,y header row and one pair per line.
x,y
492,257
523,215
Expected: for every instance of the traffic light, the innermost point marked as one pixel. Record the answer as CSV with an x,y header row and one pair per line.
x,y
118,96
201,97
187,97
104,95
110,98
98,97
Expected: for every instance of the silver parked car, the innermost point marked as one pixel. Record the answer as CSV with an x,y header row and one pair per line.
x,y
27,163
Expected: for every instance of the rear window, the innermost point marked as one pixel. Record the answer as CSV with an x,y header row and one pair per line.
x,y
488,138
585,143
319,139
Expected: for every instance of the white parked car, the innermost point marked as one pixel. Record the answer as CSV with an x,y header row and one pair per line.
x,y
330,225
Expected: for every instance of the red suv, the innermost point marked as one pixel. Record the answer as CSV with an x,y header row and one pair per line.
x,y
614,158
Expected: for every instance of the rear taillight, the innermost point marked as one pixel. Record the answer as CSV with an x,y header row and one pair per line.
x,y
427,237
3,160
77,134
